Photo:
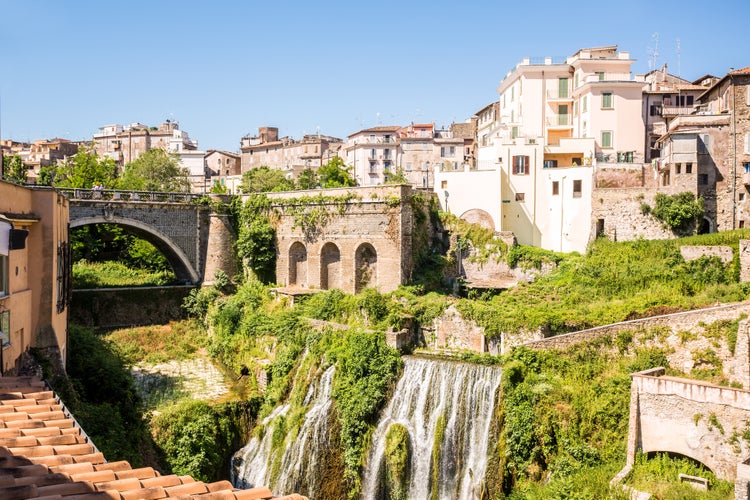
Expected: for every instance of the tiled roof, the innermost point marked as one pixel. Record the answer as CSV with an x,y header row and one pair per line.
x,y
743,71
44,454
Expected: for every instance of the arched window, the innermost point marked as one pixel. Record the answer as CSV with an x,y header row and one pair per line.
x,y
330,267
366,267
298,264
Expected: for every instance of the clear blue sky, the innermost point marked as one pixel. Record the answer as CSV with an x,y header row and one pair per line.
x,y
225,68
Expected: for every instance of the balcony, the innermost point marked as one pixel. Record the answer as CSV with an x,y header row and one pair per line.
x,y
556,95
583,146
555,121
669,111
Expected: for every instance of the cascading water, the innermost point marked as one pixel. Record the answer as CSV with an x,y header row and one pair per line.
x,y
434,398
298,467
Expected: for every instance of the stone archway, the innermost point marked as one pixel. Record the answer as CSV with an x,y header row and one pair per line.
x,y
330,267
298,264
181,265
366,267
479,216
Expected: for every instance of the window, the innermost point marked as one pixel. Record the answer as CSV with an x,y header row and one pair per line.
x,y
521,165
484,139
443,184
678,168
742,196
703,179
576,79
575,108
600,74
514,132
742,224
408,166
607,100
654,110
585,103
555,188
446,151
688,168
665,179
746,166
577,189
606,138
520,197
562,87
387,154
550,163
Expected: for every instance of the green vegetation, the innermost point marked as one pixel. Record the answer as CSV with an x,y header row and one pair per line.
x,y
613,282
155,170
255,245
397,461
658,475
198,438
83,170
335,174
116,274
264,180
158,343
14,170
100,392
678,212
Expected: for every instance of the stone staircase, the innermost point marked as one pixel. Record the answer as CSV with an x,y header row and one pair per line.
x,y
44,454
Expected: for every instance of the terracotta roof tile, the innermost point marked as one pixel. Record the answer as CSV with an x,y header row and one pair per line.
x,y
44,456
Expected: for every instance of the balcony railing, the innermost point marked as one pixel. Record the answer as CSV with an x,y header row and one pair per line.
x,y
555,94
560,121
118,195
676,110
619,157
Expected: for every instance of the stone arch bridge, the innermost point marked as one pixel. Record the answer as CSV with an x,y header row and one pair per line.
x,y
366,241
173,222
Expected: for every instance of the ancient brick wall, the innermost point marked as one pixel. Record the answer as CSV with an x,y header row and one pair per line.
x,y
365,243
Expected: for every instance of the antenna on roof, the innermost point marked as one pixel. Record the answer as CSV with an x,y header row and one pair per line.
x,y
679,74
653,52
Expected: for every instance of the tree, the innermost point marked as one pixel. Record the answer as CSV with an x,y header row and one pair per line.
x,y
679,212
14,170
308,179
396,177
335,174
264,179
155,170
83,170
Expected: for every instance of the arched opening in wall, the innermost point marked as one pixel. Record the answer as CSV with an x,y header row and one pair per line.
x,y
298,264
366,267
120,255
477,216
330,267
705,226
677,459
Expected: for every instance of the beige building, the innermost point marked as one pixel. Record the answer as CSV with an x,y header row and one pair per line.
x,y
424,149
708,153
222,167
126,143
539,145
40,153
35,271
373,153
286,154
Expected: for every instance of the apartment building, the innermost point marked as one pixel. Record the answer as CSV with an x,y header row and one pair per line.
x,y
126,143
286,154
40,153
708,153
422,149
35,271
373,153
556,120
665,98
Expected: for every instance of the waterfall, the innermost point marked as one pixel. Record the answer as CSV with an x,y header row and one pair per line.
x,y
297,469
457,397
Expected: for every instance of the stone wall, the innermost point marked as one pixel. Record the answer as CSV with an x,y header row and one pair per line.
x,y
744,246
453,332
693,252
124,307
692,418
620,211
367,243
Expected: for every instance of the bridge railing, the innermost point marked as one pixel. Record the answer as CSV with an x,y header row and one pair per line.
x,y
118,195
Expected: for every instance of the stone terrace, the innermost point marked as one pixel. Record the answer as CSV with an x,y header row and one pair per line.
x,y
45,455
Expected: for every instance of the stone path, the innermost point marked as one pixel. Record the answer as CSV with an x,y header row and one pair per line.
x,y
197,378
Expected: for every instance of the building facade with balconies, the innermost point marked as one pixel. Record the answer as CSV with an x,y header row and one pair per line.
x,y
125,144
555,121
286,154
373,154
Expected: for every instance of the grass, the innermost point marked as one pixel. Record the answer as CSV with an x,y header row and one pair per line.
x,y
658,475
158,343
116,274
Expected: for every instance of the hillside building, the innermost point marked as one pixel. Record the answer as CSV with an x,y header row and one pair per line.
x,y
125,144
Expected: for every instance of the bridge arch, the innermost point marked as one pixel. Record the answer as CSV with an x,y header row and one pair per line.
x,y
183,269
